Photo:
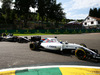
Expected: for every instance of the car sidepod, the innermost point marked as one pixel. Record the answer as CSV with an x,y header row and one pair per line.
x,y
72,46
52,46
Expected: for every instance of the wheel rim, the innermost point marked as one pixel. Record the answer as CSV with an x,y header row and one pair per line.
x,y
32,46
80,54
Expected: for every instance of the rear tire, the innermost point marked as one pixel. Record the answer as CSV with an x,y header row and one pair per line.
x,y
80,54
33,46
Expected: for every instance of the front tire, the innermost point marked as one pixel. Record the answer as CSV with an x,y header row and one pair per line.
x,y
80,54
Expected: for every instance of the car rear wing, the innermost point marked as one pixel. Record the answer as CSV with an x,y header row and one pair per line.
x,y
35,38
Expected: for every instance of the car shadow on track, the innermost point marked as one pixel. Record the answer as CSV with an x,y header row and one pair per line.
x,y
63,53
92,60
67,53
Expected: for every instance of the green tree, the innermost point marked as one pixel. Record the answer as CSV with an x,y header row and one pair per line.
x,y
94,12
56,12
99,13
6,4
6,10
23,7
50,10
91,12
41,8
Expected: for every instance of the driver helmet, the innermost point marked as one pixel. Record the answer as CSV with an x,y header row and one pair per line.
x,y
60,41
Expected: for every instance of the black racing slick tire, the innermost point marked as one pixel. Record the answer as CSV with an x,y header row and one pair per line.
x,y
80,54
33,46
82,44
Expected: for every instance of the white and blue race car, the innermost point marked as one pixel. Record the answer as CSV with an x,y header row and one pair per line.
x,y
80,50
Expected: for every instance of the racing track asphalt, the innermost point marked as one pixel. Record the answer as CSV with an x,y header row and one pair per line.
x,y
13,54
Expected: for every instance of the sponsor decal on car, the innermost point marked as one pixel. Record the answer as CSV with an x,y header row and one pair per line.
x,y
52,46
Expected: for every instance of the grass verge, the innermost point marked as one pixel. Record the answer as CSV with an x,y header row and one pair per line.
x,y
32,34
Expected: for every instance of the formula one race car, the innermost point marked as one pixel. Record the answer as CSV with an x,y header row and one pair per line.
x,y
12,38
1,38
81,51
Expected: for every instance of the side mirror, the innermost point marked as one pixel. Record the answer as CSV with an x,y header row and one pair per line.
x,y
66,42
55,37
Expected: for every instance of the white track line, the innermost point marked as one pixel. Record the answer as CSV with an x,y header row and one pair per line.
x,y
52,66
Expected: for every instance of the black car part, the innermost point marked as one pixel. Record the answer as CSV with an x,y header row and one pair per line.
x,y
35,38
